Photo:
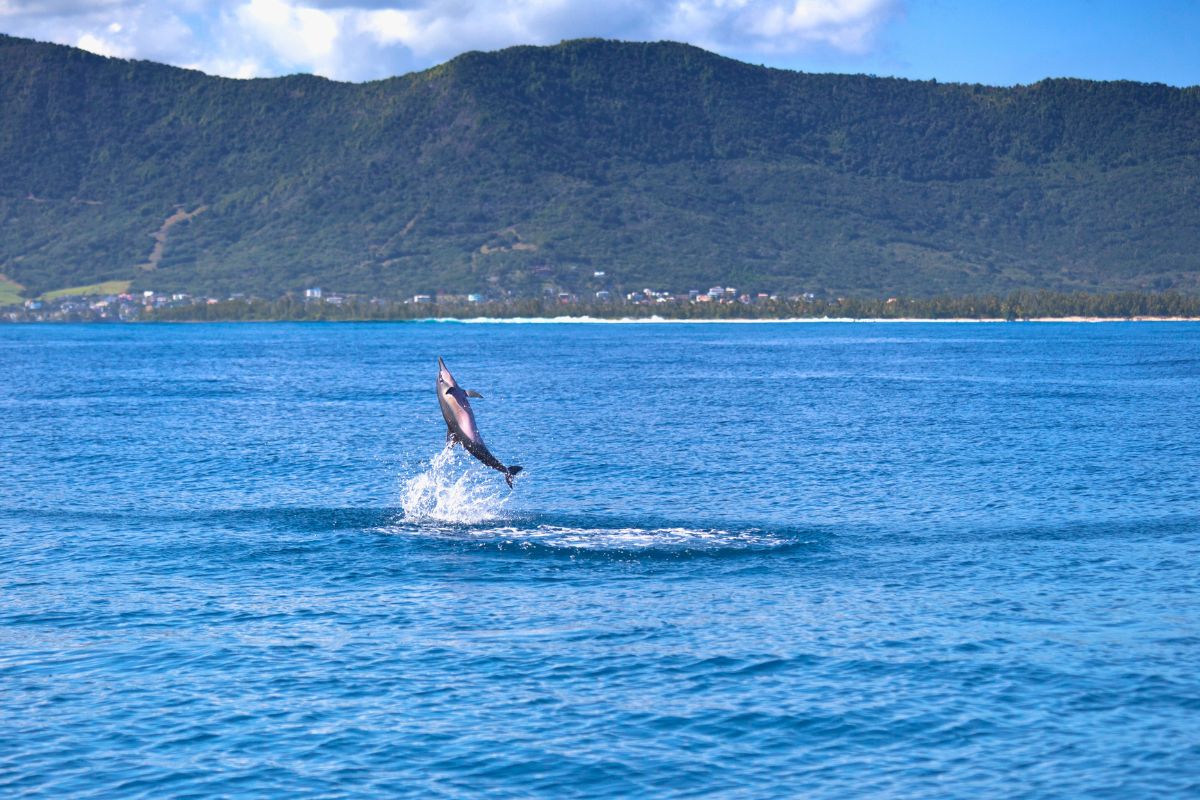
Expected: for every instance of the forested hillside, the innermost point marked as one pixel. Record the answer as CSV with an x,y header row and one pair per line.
x,y
532,168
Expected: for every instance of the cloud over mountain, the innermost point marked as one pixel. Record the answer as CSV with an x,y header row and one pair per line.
x,y
349,40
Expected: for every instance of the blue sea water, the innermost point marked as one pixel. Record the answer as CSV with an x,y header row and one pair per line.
x,y
776,560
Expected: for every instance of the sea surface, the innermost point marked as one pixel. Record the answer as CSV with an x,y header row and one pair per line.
x,y
766,560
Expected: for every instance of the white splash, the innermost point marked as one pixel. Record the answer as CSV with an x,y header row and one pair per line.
x,y
450,492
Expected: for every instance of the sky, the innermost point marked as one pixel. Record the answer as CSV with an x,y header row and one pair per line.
x,y
996,42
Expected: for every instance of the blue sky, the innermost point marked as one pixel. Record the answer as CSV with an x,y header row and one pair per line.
x,y
1021,41
1000,43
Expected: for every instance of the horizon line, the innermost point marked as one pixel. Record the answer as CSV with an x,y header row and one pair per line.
x,y
591,39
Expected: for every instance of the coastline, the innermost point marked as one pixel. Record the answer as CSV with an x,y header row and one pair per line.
x,y
586,320
788,320
1020,306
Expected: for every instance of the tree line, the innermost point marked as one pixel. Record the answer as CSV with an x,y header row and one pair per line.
x,y
1014,306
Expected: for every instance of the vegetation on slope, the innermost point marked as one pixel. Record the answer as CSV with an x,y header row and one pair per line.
x,y
10,292
533,168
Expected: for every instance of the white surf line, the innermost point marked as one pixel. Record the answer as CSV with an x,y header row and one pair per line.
x,y
789,320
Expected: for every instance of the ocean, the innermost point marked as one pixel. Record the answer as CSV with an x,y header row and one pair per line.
x,y
773,560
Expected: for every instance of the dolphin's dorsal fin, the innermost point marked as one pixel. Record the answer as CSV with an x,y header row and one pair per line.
x,y
473,393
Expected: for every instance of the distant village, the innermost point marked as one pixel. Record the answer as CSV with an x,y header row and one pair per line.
x,y
92,304
124,307
147,305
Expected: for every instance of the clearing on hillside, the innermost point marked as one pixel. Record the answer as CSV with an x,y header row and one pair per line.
x,y
10,292
108,287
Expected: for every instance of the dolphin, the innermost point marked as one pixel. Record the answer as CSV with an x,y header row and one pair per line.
x,y
460,422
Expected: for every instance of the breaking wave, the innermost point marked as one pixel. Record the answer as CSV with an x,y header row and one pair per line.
x,y
654,318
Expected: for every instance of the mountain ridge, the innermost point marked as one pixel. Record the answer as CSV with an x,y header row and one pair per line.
x,y
659,164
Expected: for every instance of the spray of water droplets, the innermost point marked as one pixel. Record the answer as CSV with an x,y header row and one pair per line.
x,y
448,491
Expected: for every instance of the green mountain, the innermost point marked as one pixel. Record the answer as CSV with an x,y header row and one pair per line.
x,y
661,165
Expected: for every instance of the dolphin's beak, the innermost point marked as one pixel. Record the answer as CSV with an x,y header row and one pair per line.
x,y
444,373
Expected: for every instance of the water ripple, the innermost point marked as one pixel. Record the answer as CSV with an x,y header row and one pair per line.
x,y
787,561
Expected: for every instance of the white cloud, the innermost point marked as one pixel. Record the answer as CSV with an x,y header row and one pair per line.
x,y
102,47
297,34
363,39
121,28
774,27
57,8
230,68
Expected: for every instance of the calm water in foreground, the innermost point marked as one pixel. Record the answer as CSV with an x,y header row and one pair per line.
x,y
825,560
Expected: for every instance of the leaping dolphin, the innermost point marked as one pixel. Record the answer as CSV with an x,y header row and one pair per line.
x,y
460,422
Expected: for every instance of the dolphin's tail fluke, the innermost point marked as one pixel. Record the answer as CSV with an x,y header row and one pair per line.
x,y
510,472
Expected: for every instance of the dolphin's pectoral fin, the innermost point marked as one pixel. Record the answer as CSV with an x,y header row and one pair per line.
x,y
473,393
449,389
451,438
